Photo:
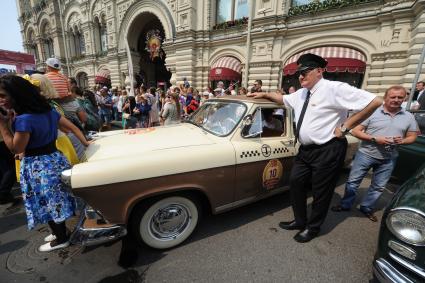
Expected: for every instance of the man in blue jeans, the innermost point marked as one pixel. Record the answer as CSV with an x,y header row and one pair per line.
x,y
380,134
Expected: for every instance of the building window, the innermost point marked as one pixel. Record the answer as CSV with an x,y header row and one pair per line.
x,y
104,39
230,10
82,80
32,46
101,35
48,48
82,43
76,42
47,42
300,2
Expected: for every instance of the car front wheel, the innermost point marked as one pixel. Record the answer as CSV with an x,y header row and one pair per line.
x,y
167,222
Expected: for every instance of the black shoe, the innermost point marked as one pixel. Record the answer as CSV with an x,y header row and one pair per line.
x,y
291,225
306,235
339,208
6,199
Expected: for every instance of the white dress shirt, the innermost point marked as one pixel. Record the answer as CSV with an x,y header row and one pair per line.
x,y
327,109
420,94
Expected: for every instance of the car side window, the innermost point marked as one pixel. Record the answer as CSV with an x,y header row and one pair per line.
x,y
266,122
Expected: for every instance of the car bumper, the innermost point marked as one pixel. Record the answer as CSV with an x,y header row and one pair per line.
x,y
386,272
89,232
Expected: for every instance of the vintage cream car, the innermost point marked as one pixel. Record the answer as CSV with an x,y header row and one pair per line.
x,y
156,182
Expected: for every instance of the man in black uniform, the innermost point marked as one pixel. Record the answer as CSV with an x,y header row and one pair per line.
x,y
321,111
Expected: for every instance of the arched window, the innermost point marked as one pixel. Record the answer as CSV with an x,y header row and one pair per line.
x,y
47,41
82,80
81,43
71,42
32,46
76,42
100,35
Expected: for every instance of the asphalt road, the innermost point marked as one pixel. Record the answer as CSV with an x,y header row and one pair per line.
x,y
243,245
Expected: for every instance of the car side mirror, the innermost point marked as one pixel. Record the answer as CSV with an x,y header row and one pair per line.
x,y
247,121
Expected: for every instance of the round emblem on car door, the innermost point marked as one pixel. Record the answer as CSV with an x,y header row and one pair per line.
x,y
272,174
266,150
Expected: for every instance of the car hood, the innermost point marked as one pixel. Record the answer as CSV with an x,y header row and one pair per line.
x,y
412,193
135,142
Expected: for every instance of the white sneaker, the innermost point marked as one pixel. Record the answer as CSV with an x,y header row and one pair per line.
x,y
50,238
48,248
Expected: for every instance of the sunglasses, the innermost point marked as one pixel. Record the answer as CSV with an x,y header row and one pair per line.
x,y
304,72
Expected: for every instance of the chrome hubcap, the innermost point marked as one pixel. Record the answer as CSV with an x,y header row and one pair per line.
x,y
170,222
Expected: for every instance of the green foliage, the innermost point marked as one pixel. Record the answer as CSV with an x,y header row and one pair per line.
x,y
231,24
317,6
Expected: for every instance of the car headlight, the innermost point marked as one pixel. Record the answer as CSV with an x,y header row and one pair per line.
x,y
408,225
66,177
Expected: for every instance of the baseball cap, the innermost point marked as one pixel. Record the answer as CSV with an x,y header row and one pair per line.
x,y
54,63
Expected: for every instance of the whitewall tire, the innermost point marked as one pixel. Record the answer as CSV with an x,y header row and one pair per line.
x,y
167,222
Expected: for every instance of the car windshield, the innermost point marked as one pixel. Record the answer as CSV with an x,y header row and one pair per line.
x,y
218,117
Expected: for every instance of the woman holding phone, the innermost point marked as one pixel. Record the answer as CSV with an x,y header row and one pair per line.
x,y
35,124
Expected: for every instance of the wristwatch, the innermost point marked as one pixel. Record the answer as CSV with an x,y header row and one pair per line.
x,y
344,130
373,140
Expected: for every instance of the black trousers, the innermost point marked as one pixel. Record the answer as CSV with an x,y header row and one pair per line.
x,y
59,230
316,167
7,170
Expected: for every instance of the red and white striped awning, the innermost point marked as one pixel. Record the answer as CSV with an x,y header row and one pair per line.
x,y
340,59
226,68
103,76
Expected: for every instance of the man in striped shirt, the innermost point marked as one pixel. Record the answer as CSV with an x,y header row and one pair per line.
x,y
60,81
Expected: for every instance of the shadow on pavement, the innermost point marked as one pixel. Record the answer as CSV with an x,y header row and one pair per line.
x,y
12,246
12,218
335,218
210,225
129,275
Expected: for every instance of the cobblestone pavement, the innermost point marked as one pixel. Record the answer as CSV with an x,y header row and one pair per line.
x,y
244,245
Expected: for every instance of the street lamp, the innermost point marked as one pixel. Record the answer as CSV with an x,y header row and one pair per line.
x,y
251,4
65,43
415,80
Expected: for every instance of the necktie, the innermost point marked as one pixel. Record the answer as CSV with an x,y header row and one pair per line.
x,y
300,119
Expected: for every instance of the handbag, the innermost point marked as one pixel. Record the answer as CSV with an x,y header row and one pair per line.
x,y
126,115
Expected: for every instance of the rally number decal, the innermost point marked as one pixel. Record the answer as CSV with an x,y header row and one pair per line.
x,y
272,174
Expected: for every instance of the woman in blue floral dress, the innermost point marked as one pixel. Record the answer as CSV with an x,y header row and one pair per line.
x,y
35,126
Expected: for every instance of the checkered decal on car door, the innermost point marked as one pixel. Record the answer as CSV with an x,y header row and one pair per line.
x,y
250,153
279,150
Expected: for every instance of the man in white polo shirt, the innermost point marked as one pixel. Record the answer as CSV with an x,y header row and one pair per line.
x,y
321,110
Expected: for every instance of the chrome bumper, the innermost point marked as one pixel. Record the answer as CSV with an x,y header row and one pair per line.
x,y
385,272
97,235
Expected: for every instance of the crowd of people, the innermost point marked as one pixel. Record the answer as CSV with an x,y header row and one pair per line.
x,y
45,119
150,107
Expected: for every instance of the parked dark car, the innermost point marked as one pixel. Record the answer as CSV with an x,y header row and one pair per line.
x,y
400,255
412,156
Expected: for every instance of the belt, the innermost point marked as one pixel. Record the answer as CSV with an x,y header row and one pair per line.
x,y
314,146
42,150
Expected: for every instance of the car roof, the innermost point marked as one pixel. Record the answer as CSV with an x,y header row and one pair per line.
x,y
244,98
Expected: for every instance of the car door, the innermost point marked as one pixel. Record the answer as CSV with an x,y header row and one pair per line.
x,y
264,156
